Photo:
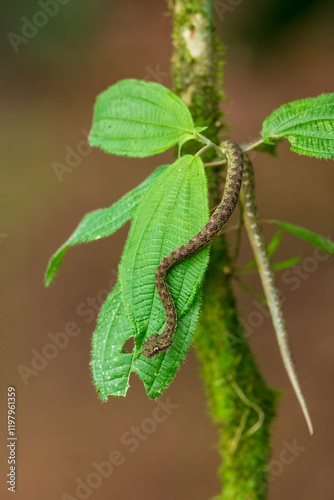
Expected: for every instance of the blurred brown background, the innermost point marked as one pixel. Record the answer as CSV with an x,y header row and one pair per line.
x,y
276,52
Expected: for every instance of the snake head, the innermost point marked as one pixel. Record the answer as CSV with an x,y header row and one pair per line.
x,y
155,345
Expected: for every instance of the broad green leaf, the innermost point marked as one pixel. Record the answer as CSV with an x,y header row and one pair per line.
x,y
139,118
316,239
111,366
158,372
285,264
171,213
102,223
308,125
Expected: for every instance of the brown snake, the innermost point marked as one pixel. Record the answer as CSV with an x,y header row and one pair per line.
x,y
239,170
158,343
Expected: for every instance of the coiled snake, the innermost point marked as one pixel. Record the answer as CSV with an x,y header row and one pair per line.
x,y
158,343
239,170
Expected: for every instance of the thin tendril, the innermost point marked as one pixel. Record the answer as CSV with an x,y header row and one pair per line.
x,y
239,431
251,145
215,163
205,140
250,404
201,151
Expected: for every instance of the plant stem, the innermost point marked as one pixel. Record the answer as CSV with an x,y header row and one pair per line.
x,y
252,145
220,342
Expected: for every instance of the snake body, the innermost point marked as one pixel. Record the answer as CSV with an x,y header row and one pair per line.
x,y
259,247
239,171
158,343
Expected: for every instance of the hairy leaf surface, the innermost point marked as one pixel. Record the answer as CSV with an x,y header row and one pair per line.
x,y
171,213
308,125
139,118
111,366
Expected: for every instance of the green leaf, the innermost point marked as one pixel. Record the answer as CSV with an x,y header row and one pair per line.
x,y
308,125
285,264
316,239
102,223
139,118
265,147
111,366
158,372
274,243
171,213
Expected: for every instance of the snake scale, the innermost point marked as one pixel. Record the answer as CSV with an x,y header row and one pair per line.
x,y
158,343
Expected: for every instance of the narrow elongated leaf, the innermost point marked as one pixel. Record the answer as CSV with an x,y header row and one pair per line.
x,y
139,118
171,212
285,264
274,243
103,222
111,366
316,239
308,125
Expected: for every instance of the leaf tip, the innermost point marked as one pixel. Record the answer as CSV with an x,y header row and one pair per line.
x,y
53,266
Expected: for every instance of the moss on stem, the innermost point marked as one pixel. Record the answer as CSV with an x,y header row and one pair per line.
x,y
237,394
